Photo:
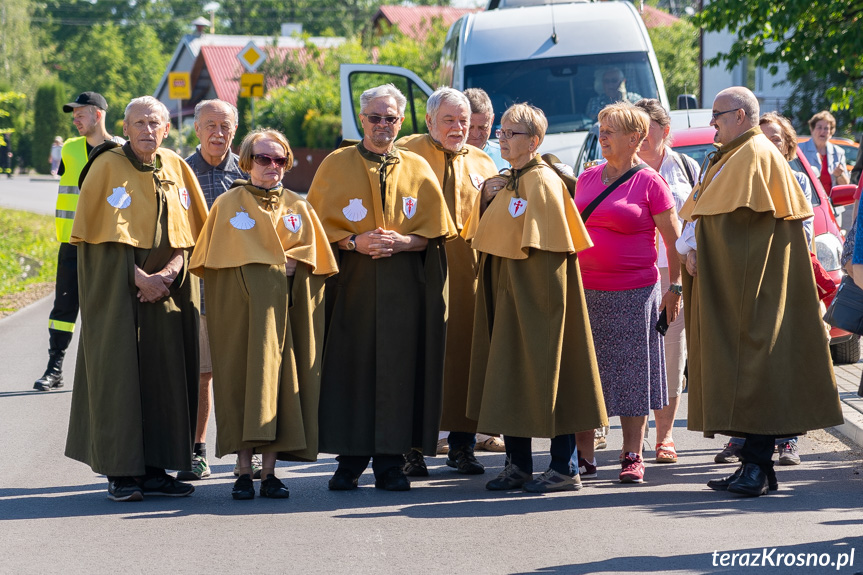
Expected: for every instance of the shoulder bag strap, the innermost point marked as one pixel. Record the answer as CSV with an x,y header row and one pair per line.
x,y
607,192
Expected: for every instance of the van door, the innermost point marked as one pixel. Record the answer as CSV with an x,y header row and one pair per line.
x,y
354,79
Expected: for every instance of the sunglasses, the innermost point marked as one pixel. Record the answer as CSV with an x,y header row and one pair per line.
x,y
265,160
374,119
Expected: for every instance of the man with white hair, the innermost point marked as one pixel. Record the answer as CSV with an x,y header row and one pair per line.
x,y
759,362
382,370
460,169
136,380
216,168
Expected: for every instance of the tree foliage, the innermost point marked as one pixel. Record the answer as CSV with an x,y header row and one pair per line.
x,y
21,54
816,39
48,107
676,50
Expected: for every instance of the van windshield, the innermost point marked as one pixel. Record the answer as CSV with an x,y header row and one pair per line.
x,y
570,91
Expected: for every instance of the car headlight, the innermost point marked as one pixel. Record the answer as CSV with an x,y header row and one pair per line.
x,y
828,250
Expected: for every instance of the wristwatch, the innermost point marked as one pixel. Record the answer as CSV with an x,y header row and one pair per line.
x,y
352,243
676,288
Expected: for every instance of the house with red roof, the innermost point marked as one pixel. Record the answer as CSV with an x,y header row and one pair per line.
x,y
414,21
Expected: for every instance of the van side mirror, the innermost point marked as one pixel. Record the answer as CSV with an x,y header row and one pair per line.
x,y
843,195
687,102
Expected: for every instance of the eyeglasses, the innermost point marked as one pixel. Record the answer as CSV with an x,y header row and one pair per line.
x,y
717,114
265,160
375,119
507,134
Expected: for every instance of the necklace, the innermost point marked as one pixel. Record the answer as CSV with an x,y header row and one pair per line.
x,y
608,179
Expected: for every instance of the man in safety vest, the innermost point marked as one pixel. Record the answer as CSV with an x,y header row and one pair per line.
x,y
88,115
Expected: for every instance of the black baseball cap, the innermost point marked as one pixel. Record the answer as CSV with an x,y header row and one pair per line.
x,y
87,99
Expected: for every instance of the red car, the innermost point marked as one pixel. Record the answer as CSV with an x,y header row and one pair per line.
x,y
827,237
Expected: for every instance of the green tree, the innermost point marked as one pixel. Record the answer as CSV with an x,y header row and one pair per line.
x,y
21,55
816,39
676,50
48,107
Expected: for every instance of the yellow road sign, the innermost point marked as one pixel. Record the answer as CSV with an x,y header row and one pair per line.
x,y
252,86
251,57
179,85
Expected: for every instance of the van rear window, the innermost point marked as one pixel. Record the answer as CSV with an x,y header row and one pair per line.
x,y
569,90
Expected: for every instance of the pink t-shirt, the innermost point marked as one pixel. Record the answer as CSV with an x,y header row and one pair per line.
x,y
622,229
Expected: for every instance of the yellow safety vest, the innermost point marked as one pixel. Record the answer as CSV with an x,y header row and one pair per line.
x,y
74,154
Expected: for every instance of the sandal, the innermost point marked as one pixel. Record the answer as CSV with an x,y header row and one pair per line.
x,y
665,453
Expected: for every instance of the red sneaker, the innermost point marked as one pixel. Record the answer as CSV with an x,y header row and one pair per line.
x,y
632,469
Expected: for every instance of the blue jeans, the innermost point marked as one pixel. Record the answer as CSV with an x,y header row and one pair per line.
x,y
740,440
459,439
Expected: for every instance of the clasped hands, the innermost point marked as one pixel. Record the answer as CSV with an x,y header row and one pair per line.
x,y
381,243
156,286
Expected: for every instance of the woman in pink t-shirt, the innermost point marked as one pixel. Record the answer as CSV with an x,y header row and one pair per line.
x,y
621,282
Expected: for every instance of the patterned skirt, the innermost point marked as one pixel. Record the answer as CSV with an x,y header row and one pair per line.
x,y
629,350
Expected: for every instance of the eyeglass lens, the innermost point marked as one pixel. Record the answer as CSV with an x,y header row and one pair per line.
x,y
374,119
265,160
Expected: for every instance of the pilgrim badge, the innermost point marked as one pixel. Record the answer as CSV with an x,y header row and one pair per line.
x,y
293,222
517,206
119,198
409,206
355,211
242,221
477,180
184,198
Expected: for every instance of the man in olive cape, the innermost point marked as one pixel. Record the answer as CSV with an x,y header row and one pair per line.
x,y
135,396
460,170
759,362
383,356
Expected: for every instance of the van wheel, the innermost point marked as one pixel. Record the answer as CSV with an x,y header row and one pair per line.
x,y
847,351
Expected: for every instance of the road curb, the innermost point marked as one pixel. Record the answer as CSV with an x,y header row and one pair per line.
x,y
847,382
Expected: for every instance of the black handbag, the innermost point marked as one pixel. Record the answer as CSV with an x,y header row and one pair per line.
x,y
846,309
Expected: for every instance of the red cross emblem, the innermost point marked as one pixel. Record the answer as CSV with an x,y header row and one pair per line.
x,y
293,222
409,206
184,198
517,206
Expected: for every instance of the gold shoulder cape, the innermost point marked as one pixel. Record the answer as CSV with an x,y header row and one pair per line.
x,y
246,227
349,203
748,172
550,221
118,201
471,166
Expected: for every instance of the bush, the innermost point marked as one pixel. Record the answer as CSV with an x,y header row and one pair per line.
x,y
321,130
50,121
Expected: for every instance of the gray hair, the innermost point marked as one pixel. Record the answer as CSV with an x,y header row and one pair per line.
x,y
744,99
449,95
479,101
216,102
385,91
149,102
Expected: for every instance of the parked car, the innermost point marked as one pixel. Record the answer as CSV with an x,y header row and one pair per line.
x,y
851,148
827,236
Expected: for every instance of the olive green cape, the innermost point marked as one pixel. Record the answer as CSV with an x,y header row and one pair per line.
x,y
382,374
460,176
134,403
533,365
759,360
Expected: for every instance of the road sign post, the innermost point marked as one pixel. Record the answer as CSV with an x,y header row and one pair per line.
x,y
251,84
179,88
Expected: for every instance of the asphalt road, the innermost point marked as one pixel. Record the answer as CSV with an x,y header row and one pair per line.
x,y
55,518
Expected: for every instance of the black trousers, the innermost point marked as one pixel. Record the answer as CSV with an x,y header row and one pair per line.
x,y
356,464
758,449
519,453
65,312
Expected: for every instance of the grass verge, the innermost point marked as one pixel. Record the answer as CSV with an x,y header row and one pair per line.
x,y
28,253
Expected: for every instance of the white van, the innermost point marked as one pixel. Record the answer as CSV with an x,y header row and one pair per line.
x,y
549,54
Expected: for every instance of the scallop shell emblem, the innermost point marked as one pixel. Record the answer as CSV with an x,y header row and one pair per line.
x,y
355,211
119,198
242,221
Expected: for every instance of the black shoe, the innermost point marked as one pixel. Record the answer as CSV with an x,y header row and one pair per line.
x,y
53,376
464,461
752,481
244,489
393,479
722,484
165,485
343,480
124,489
273,488
415,464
